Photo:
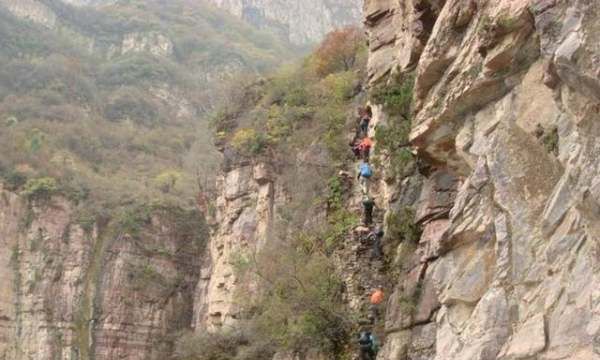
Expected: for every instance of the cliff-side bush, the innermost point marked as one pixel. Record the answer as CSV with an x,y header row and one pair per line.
x,y
392,139
130,220
340,87
239,344
340,220
550,141
167,180
396,97
208,346
40,188
392,143
401,226
248,142
13,180
300,306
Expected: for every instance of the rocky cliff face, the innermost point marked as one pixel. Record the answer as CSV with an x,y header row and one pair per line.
x,y
506,109
78,290
243,217
303,22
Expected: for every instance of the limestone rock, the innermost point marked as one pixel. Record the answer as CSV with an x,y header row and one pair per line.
x,y
527,341
513,252
63,283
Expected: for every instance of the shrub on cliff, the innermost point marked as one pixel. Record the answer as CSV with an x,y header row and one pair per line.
x,y
248,141
239,344
299,307
396,97
40,188
12,180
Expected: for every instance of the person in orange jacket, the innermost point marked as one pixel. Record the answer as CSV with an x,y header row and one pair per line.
x,y
376,299
364,147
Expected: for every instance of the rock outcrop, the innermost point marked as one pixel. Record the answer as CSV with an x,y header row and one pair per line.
x,y
78,290
31,10
506,111
302,22
246,197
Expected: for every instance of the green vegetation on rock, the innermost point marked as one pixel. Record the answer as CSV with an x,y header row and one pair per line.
x,y
112,96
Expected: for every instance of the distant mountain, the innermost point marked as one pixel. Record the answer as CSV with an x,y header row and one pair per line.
x,y
302,22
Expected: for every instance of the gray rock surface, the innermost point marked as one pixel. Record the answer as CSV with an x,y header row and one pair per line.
x,y
517,255
302,22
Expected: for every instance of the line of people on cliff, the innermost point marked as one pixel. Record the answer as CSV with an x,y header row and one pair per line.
x,y
361,146
367,341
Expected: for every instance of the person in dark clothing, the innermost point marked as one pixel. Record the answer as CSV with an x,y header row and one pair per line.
x,y
364,125
364,116
355,146
375,237
368,204
367,344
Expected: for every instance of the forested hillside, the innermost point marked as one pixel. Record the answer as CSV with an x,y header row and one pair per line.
x,y
108,105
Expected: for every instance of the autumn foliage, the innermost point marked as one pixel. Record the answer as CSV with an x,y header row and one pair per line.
x,y
339,51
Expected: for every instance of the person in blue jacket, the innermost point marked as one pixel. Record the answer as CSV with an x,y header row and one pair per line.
x,y
364,174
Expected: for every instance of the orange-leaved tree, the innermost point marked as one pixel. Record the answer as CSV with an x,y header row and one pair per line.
x,y
339,51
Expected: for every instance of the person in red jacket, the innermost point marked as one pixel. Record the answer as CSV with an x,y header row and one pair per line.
x,y
364,148
376,299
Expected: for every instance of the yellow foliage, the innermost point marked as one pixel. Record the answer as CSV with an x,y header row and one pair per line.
x,y
167,180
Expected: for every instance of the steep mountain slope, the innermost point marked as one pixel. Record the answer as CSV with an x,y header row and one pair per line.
x,y
492,231
104,141
486,181
302,22
112,98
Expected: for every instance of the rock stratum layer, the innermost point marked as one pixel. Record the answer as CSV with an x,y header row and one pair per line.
x,y
506,102
72,291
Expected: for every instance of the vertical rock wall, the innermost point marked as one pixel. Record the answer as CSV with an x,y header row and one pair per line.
x,y
70,292
243,217
506,110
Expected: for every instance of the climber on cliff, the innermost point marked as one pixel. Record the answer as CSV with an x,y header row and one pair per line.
x,y
375,237
364,148
368,204
364,174
368,345
365,119
376,299
354,146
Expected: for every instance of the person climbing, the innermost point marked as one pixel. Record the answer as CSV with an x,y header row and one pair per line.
x,y
368,204
364,148
375,237
365,119
354,145
364,174
368,345
376,300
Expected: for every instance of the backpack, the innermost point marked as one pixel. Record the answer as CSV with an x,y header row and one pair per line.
x,y
374,344
365,341
365,171
368,203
